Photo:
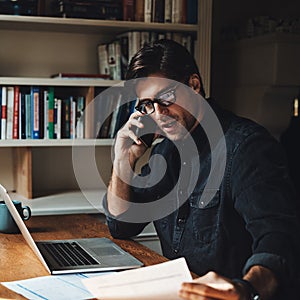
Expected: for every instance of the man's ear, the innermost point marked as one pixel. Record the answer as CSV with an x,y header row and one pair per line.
x,y
194,83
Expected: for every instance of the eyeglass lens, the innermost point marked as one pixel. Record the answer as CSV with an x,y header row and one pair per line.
x,y
146,106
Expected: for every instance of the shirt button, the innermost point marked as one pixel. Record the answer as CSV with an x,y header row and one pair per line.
x,y
180,192
180,221
176,250
184,163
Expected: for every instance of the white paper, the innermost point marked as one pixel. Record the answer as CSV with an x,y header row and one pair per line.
x,y
56,287
161,281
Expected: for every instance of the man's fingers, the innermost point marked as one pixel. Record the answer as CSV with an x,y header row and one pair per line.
x,y
193,296
207,291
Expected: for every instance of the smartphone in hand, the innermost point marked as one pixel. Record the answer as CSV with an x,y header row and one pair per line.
x,y
146,134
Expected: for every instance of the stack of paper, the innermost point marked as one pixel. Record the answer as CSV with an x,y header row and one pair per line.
x,y
161,281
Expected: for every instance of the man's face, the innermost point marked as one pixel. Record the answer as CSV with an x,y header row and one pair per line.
x,y
178,118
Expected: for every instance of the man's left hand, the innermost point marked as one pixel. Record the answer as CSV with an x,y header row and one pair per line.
x,y
212,286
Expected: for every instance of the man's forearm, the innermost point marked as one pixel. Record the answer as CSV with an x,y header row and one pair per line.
x,y
118,194
263,280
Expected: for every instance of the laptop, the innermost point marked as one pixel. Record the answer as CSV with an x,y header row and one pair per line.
x,y
74,255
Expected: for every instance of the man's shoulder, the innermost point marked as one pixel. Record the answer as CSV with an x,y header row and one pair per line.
x,y
238,129
234,124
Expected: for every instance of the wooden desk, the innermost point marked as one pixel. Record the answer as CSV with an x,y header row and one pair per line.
x,y
17,261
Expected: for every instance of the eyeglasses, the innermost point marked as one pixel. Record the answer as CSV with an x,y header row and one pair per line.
x,y
146,105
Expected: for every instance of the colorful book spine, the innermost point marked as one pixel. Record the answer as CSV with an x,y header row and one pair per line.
x,y
51,113
0,109
65,118
10,112
35,111
22,117
16,112
3,113
28,130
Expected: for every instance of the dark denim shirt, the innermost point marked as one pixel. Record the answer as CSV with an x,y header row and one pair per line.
x,y
249,221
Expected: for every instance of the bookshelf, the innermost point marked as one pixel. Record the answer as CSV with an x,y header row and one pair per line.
x,y
35,47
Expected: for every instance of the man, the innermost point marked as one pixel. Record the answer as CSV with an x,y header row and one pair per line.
x,y
225,200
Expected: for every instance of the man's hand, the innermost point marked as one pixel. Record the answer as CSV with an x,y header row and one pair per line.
x,y
212,286
127,143
127,150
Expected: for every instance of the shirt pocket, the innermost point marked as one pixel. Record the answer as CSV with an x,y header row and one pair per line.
x,y
205,218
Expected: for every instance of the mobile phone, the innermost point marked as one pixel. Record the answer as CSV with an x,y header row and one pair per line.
x,y
147,133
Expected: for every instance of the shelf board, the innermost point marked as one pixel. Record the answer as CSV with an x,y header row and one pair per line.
x,y
86,25
56,143
43,81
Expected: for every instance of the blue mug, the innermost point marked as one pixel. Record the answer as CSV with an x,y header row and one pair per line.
x,y
7,223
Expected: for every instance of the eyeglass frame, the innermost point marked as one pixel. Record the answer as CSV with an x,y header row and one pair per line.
x,y
157,100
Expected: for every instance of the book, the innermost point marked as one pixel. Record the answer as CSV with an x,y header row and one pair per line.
x,y
113,122
51,113
28,130
139,10
80,76
183,12
134,43
123,39
16,107
168,11
45,114
187,42
103,65
148,11
178,11
3,112
144,38
73,118
22,116
80,117
10,112
114,60
35,112
118,60
65,118
158,11
93,9
0,109
192,12
57,118
128,10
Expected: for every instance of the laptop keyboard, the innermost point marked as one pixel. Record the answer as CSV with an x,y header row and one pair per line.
x,y
69,254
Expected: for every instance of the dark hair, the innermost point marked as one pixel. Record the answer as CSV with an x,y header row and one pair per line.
x,y
165,57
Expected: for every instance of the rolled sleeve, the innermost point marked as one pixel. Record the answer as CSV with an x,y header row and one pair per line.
x,y
273,262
